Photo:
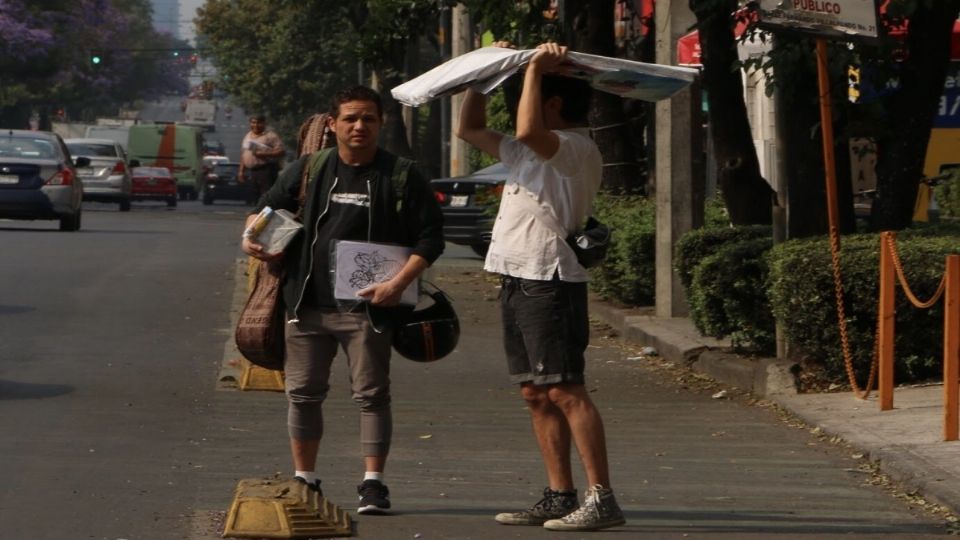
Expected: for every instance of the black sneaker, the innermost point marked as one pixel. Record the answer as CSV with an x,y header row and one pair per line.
x,y
314,486
374,497
554,504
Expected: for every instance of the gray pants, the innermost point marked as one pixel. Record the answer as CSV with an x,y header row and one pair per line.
x,y
311,346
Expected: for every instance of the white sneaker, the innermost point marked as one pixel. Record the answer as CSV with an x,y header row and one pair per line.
x,y
598,511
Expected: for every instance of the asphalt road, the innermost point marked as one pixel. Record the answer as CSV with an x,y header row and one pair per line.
x,y
107,338
114,427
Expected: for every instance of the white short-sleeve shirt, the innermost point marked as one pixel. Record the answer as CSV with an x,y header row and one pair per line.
x,y
564,186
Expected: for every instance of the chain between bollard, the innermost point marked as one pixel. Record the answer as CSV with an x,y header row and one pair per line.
x,y
842,322
902,278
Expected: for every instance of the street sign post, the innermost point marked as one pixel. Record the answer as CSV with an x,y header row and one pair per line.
x,y
831,18
843,19
826,19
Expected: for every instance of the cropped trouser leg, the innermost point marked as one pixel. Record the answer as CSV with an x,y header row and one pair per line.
x,y
311,346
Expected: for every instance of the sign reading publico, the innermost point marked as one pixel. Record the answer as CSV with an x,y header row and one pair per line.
x,y
836,18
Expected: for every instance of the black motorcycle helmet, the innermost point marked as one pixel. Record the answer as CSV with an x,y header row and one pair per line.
x,y
428,334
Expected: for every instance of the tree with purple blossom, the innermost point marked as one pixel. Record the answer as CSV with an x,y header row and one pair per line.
x,y
46,48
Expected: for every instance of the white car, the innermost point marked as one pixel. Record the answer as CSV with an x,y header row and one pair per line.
x,y
107,177
209,162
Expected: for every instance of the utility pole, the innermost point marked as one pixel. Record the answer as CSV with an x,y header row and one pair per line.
x,y
445,102
678,183
461,43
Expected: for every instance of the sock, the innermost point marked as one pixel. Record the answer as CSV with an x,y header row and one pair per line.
x,y
373,475
308,476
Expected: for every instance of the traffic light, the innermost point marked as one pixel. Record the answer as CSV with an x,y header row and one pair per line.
x,y
193,59
95,59
853,83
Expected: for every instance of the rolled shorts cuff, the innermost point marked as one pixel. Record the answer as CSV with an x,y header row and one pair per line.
x,y
544,380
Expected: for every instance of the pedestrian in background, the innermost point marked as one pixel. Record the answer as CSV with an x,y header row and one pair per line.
x,y
554,174
352,197
261,153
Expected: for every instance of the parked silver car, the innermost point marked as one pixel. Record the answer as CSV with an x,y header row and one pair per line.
x,y
38,178
107,178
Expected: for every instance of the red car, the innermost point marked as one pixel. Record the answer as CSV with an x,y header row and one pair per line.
x,y
154,184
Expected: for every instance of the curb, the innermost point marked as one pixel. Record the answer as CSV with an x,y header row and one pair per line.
x,y
230,372
916,465
677,340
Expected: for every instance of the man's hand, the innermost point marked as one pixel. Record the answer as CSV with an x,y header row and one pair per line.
x,y
384,294
548,57
389,292
253,249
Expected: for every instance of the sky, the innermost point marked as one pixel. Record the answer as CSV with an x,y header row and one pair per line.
x,y
188,10
183,20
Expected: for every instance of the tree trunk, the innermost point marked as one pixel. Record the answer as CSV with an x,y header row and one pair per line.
x,y
911,110
394,133
592,22
747,195
801,144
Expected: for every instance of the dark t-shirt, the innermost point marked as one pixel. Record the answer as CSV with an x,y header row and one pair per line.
x,y
347,218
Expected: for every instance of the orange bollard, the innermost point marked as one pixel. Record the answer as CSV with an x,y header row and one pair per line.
x,y
886,311
951,348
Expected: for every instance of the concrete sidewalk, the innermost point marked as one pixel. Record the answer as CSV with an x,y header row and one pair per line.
x,y
905,442
685,464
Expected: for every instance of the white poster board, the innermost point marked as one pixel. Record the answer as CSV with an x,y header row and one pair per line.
x,y
361,264
484,69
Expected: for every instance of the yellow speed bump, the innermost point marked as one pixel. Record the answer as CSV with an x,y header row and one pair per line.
x,y
255,377
283,509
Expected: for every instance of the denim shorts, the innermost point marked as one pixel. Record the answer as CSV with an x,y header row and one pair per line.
x,y
545,330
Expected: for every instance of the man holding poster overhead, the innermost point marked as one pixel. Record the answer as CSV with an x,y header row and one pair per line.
x,y
357,192
554,173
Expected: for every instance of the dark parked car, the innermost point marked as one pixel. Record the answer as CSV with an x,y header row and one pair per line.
x,y
222,183
466,202
38,178
213,148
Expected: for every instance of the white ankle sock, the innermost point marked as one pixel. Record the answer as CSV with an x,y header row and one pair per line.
x,y
308,476
373,475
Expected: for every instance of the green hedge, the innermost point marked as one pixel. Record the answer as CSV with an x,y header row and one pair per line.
x,y
727,296
699,244
947,194
801,289
627,274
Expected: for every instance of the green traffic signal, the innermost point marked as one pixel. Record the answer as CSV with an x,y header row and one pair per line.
x,y
95,59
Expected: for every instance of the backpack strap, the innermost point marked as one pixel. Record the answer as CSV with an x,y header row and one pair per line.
x,y
401,170
310,171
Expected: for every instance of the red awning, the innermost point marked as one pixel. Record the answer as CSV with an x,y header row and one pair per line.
x,y
688,46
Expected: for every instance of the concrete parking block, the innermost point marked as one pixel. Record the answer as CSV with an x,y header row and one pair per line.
x,y
283,509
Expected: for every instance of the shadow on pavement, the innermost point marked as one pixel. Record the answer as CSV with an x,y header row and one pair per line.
x,y
20,390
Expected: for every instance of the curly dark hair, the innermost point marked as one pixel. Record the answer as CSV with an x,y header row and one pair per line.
x,y
355,93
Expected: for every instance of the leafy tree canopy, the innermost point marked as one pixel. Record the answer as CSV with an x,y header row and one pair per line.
x,y
47,49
